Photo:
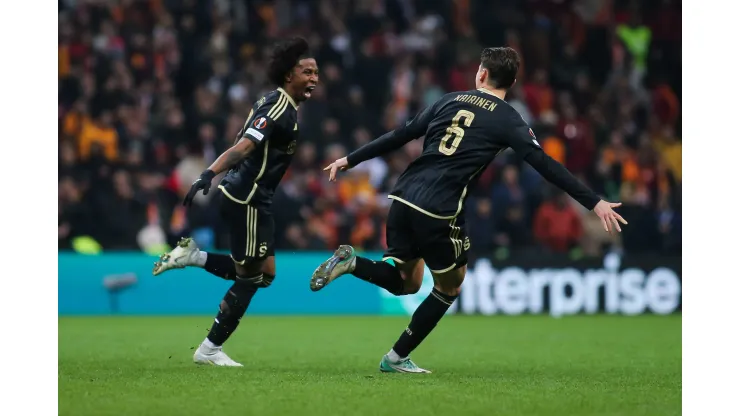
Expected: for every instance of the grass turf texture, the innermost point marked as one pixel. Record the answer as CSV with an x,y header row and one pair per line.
x,y
527,365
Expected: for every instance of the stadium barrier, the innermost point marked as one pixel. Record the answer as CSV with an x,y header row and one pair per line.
x,y
559,286
122,283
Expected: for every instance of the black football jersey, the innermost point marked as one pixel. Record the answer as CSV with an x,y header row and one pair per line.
x,y
464,133
273,126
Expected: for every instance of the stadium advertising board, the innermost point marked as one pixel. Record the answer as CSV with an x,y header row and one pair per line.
x,y
122,283
559,286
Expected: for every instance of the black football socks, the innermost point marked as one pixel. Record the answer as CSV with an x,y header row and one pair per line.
x,y
220,265
423,321
380,274
232,309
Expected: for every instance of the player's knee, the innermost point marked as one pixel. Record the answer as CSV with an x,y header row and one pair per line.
x,y
249,269
411,286
448,290
245,280
266,280
450,282
412,274
268,266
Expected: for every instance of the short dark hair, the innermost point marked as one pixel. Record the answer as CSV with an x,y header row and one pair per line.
x,y
286,55
502,64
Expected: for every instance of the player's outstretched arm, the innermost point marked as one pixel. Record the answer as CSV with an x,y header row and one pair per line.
x,y
559,176
386,143
378,147
525,144
232,156
229,158
255,130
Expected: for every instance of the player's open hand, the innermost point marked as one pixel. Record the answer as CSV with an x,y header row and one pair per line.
x,y
336,166
609,218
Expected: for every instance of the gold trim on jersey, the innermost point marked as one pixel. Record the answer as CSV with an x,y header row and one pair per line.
x,y
243,131
457,245
259,175
395,259
279,108
422,210
231,197
241,263
465,191
251,232
254,187
487,91
454,265
437,216
290,99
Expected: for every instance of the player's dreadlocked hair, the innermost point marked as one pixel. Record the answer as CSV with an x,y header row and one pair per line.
x,y
502,65
284,57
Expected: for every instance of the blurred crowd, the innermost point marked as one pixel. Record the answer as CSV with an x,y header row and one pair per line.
x,y
151,91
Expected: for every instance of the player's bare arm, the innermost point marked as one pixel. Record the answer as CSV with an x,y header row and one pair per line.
x,y
232,156
226,161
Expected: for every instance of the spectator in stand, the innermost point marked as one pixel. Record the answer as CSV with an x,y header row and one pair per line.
x,y
150,91
538,93
557,225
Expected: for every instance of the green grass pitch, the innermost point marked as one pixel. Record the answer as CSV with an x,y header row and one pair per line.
x,y
526,365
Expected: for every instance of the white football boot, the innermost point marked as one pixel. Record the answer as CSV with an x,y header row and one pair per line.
x,y
404,365
205,355
184,254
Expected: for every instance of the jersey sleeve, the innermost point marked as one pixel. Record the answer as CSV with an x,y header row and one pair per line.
x,y
265,118
523,141
417,126
521,138
413,129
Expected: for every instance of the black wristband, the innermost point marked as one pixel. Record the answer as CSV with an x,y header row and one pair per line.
x,y
208,175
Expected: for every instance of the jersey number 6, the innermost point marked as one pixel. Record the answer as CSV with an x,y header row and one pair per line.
x,y
457,131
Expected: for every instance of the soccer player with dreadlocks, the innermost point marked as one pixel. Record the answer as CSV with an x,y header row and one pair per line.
x,y
255,163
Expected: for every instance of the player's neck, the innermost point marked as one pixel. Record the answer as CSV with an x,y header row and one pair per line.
x,y
296,96
501,94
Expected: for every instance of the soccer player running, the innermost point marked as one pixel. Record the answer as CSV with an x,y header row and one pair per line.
x,y
256,163
464,131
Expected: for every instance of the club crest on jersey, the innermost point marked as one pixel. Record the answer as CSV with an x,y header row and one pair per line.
x,y
260,123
